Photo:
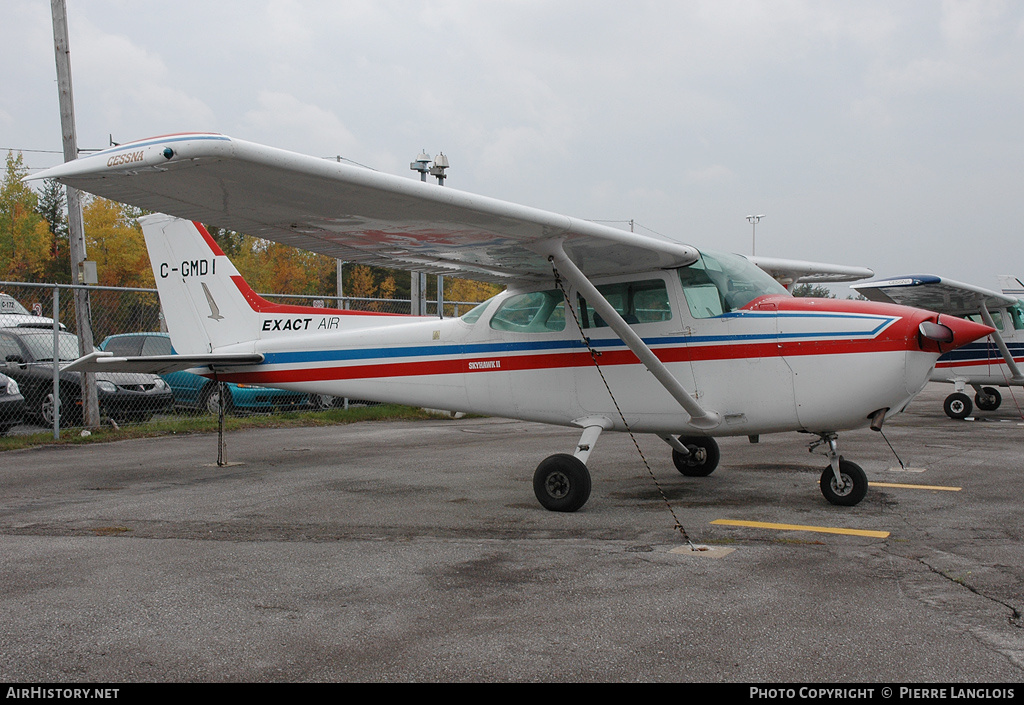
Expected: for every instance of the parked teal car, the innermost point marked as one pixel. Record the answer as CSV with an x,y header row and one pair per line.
x,y
196,392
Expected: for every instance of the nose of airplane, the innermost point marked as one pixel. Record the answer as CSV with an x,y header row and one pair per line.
x,y
950,332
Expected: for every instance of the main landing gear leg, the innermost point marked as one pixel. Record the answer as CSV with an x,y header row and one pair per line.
x,y
562,481
842,482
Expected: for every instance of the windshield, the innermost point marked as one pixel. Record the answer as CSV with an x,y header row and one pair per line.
x,y
718,283
9,305
41,346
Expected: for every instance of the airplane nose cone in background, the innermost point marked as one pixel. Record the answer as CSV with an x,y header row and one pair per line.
x,y
951,332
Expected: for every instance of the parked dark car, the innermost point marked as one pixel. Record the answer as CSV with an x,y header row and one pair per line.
x,y
197,392
12,404
27,355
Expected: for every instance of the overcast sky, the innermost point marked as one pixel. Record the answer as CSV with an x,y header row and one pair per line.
x,y
879,134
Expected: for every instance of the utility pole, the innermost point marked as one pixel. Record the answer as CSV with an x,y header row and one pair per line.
x,y
76,227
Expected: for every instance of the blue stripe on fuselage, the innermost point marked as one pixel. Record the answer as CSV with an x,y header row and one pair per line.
x,y
382,353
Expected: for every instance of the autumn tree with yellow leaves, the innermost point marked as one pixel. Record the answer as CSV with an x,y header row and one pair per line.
x,y
24,234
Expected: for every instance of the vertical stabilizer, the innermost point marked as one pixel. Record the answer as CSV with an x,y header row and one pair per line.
x,y
202,303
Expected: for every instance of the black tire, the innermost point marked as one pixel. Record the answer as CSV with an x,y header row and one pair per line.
x,y
991,400
703,458
958,406
562,483
856,484
211,400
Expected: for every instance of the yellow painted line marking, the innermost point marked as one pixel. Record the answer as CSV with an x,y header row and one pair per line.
x,y
800,527
913,487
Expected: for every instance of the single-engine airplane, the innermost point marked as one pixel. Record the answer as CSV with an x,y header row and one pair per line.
x,y
598,328
986,364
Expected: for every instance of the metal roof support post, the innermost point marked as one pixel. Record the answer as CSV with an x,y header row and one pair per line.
x,y
1001,344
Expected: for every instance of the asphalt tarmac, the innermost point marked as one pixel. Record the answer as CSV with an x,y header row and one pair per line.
x,y
416,552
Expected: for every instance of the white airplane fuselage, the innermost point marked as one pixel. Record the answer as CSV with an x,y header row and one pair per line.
x,y
739,345
772,368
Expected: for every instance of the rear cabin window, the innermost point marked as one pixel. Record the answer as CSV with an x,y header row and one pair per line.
x,y
643,301
473,315
536,312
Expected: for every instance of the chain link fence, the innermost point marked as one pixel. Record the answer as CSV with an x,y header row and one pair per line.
x,y
38,335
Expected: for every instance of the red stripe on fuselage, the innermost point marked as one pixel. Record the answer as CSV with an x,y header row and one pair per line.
x,y
547,361
1000,360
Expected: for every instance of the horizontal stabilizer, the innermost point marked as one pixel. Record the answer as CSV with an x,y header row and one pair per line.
x,y
159,364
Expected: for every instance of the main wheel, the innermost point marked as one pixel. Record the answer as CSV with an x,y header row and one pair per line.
x,y
703,458
957,406
562,483
855,484
991,399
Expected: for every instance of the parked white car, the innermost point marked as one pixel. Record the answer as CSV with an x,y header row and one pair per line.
x,y
14,315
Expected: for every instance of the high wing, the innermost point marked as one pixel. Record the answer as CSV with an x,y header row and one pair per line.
x,y
944,295
100,361
356,214
934,293
790,272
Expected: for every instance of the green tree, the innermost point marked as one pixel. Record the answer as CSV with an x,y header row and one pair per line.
x,y
817,291
52,207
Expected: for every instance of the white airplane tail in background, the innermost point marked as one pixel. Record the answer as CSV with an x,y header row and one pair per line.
x,y
1011,286
209,310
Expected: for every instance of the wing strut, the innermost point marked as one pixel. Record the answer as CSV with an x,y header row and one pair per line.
x,y
700,417
1001,344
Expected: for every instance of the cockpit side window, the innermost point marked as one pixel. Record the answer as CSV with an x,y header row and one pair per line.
x,y
535,312
643,301
717,284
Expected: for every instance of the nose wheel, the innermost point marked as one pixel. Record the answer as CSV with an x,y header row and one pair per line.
x,y
850,487
843,483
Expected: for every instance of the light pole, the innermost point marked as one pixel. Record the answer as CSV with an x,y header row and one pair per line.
x,y
754,219
418,283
